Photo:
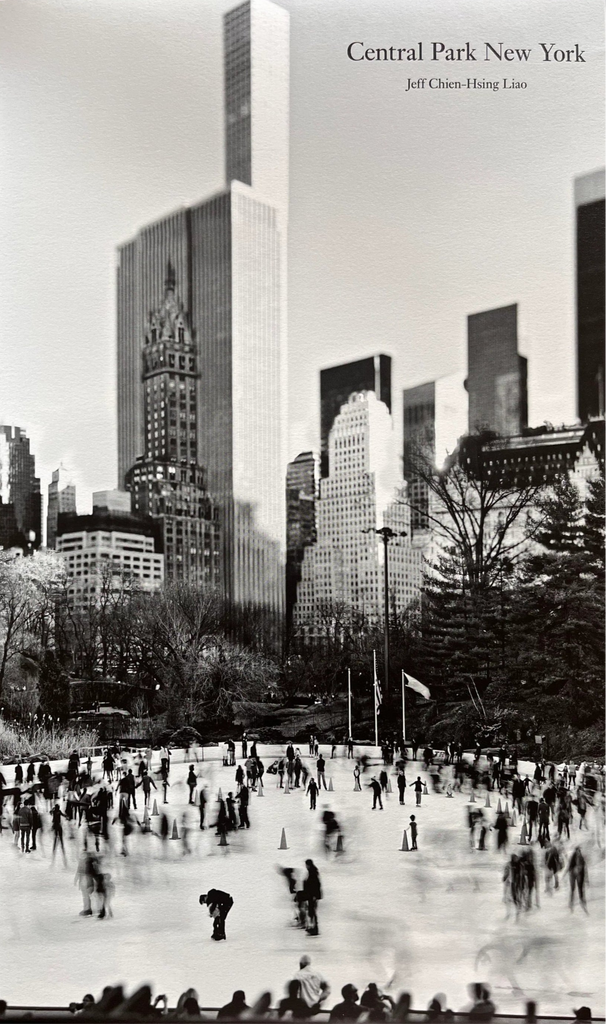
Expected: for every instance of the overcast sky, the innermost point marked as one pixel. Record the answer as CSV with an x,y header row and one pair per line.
x,y
408,210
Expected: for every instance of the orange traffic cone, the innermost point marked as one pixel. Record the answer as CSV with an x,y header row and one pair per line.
x,y
514,820
506,807
499,808
286,786
339,846
389,789
472,798
487,804
331,788
260,790
223,840
404,847
523,839
155,810
175,834
425,793
283,844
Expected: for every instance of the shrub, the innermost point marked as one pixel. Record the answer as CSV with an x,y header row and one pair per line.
x,y
56,742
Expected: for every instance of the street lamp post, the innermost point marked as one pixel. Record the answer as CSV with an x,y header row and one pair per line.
x,y
387,534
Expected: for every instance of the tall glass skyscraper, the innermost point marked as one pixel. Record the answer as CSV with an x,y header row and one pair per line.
x,y
589,204
229,255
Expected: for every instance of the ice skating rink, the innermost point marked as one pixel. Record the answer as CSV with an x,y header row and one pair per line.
x,y
426,921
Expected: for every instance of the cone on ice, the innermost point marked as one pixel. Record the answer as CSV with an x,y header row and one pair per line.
x,y
286,786
514,820
499,808
223,840
146,821
404,847
487,804
260,790
425,793
389,789
331,788
175,833
155,812
472,798
219,794
283,844
506,807
339,846
523,839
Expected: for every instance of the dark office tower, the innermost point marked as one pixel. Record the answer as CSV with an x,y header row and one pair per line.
x,y
496,373
337,383
20,487
419,443
229,254
589,202
167,483
302,478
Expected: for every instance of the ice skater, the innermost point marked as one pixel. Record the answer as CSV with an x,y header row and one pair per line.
x,y
577,874
192,784
375,785
418,788
414,831
401,780
219,904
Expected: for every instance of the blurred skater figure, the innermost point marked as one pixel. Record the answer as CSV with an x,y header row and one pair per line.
x,y
356,775
577,874
294,1005
164,770
375,785
219,904
553,866
383,779
543,816
244,746
243,800
401,780
500,826
314,987
350,747
418,788
333,748
202,806
105,891
85,878
146,782
312,892
532,813
378,1004
414,831
350,1008
235,1008
437,1010
331,828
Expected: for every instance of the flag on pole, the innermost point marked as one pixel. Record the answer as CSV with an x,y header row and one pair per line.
x,y
378,694
414,684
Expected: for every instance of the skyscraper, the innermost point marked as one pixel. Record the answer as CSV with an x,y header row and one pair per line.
x,y
20,488
337,383
343,570
61,498
435,416
302,476
589,203
496,373
167,482
229,256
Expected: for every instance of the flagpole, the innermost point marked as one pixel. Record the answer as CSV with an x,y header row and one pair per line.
x,y
374,686
403,711
349,734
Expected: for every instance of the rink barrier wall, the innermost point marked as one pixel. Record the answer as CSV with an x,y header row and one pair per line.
x,y
63,1015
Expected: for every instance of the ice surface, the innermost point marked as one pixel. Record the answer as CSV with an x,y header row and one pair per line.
x,y
425,921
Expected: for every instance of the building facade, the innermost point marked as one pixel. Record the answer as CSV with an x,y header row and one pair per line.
x,y
167,482
107,550
302,479
435,416
20,497
229,256
344,570
337,383
61,498
589,210
496,373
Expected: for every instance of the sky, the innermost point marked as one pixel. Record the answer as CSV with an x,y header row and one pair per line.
x,y
409,210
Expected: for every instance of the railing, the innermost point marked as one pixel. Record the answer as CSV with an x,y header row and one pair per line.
x,y
63,1015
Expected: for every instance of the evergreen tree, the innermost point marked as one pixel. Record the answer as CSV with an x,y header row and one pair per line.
x,y
593,531
53,686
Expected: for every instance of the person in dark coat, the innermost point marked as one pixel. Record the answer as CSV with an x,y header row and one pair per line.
x,y
219,904
375,785
243,801
312,892
350,1008
296,1007
236,1007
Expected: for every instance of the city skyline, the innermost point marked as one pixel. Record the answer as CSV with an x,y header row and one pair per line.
x,y
366,247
